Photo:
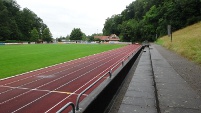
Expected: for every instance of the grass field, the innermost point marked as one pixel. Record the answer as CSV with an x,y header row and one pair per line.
x,y
16,59
186,42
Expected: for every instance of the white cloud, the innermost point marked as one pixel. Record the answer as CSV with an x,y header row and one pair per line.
x,y
61,16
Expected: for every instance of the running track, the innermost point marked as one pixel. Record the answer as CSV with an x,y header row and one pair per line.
x,y
50,88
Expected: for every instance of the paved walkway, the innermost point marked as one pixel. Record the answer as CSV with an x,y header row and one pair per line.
x,y
157,88
188,70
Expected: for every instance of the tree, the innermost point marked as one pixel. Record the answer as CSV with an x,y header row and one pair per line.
x,y
111,25
131,30
13,9
34,35
143,19
68,37
8,27
4,28
76,34
26,23
47,35
90,38
16,24
84,37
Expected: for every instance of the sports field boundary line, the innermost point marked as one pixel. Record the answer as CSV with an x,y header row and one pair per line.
x,y
48,92
56,64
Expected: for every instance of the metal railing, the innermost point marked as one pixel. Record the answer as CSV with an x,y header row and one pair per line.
x,y
76,107
78,98
110,75
64,107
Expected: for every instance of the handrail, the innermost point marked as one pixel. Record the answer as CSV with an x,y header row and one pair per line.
x,y
110,74
64,107
76,108
78,98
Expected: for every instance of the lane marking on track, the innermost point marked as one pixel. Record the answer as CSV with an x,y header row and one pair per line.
x,y
61,86
61,92
86,83
57,65
55,80
53,73
43,95
68,93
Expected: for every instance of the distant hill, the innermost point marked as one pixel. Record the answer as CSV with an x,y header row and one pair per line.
x,y
186,42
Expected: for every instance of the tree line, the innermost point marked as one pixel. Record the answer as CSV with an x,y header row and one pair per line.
x,y
77,34
148,19
21,25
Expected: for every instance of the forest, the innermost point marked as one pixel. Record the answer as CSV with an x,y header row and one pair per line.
x,y
21,25
141,20
148,19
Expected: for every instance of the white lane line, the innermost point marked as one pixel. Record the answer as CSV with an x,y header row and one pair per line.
x,y
37,99
79,70
58,67
43,78
79,88
84,85
55,89
58,79
53,65
86,57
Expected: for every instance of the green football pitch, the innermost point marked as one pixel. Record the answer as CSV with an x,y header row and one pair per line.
x,y
16,59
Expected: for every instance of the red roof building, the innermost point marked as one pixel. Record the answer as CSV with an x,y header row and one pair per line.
x,y
112,37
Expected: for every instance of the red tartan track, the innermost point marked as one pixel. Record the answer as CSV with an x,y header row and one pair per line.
x,y
49,89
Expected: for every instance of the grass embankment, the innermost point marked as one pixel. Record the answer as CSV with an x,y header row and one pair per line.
x,y
186,42
16,59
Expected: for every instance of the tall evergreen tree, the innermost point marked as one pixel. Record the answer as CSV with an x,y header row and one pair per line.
x,y
47,35
34,35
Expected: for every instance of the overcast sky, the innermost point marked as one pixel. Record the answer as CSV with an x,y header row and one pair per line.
x,y
61,16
